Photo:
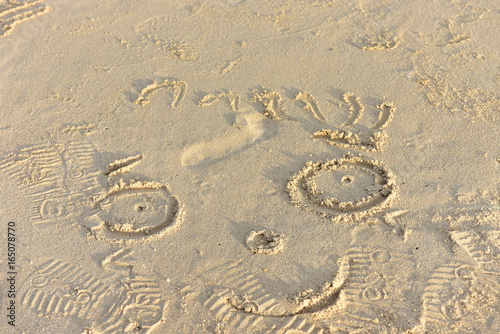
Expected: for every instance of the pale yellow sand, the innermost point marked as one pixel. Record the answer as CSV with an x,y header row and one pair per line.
x,y
250,166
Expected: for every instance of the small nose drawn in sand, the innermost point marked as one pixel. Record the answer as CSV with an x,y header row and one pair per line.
x,y
265,242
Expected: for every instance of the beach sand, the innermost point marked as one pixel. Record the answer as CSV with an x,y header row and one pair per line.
x,y
250,166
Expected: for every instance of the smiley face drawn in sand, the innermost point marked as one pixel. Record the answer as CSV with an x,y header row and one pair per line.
x,y
346,189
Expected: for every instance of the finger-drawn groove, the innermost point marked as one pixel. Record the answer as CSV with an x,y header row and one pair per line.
x,y
356,108
244,320
347,139
272,103
385,116
311,105
386,45
116,261
135,212
245,293
178,88
233,99
122,165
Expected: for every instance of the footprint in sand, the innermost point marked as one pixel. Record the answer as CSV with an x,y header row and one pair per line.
x,y
61,289
58,177
243,305
461,298
248,129
483,247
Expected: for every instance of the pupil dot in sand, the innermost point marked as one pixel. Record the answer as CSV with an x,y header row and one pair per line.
x,y
347,179
143,206
265,242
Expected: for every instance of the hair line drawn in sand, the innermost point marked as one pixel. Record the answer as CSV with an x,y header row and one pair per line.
x,y
233,99
369,142
178,88
14,13
272,102
311,105
356,108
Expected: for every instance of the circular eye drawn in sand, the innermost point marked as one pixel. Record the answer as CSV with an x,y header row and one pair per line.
x,y
137,212
265,242
346,189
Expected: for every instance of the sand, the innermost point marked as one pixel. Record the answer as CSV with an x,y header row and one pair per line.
x,y
250,166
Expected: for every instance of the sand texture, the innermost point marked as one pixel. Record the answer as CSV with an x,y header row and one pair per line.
x,y
238,166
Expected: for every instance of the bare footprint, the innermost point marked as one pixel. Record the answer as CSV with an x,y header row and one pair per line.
x,y
249,129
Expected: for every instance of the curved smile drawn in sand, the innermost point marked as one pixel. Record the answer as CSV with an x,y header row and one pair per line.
x,y
250,305
306,302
